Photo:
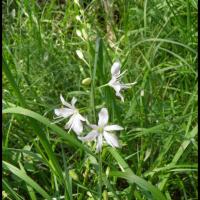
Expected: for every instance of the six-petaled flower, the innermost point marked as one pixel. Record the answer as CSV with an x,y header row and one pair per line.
x,y
115,80
75,121
103,130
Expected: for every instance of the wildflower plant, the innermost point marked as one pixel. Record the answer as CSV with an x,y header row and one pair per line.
x,y
102,132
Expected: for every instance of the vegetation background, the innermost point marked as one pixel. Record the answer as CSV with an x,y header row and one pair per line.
x,y
156,42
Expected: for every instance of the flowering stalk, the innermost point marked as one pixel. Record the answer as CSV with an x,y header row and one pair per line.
x,y
85,175
102,86
102,132
100,175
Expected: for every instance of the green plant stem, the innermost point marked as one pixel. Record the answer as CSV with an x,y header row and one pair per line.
x,y
103,86
86,174
100,176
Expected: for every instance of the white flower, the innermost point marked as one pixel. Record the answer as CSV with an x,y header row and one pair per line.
x,y
142,93
102,130
115,80
75,121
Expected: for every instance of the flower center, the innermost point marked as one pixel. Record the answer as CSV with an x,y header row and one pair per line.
x,y
100,129
76,111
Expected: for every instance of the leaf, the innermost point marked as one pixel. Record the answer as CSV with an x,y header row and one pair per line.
x,y
9,190
72,141
132,178
166,41
22,175
179,153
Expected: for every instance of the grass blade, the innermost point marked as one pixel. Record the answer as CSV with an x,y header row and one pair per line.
x,y
27,179
132,178
7,188
72,141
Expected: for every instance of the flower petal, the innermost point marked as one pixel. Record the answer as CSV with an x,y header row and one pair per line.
x,y
73,101
90,136
111,139
112,81
99,143
115,85
113,128
81,117
69,124
120,95
127,85
75,124
103,117
115,69
63,112
93,126
64,102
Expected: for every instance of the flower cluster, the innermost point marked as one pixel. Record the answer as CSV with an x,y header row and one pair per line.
x,y
102,132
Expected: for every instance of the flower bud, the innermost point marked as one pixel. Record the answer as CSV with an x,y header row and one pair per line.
x,y
78,18
78,33
80,54
142,93
85,36
105,195
73,174
86,81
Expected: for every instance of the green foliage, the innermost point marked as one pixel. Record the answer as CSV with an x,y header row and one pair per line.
x,y
49,48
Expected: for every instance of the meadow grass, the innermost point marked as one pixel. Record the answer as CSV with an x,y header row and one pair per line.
x,y
49,48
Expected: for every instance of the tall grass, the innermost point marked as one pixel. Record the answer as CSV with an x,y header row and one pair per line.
x,y
156,42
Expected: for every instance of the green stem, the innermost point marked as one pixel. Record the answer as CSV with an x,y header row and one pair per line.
x,y
86,174
103,86
100,176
